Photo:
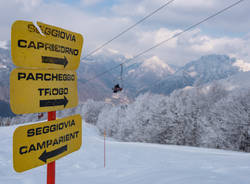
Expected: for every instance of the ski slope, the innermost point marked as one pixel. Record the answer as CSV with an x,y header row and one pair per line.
x,y
131,163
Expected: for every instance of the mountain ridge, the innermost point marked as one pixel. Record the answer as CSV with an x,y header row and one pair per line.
x,y
151,74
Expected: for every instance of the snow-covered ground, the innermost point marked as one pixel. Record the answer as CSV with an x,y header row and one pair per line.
x,y
128,163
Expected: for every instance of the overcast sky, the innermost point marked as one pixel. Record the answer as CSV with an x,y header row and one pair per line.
x,y
100,20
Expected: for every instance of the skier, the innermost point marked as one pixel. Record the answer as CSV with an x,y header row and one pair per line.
x,y
116,88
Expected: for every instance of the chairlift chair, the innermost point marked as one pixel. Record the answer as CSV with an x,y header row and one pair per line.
x,y
117,87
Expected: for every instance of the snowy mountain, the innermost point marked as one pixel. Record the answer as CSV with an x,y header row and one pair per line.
x,y
153,66
136,74
199,72
5,68
144,73
209,68
131,163
140,75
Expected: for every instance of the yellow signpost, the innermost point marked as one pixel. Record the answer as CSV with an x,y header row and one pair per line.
x,y
41,143
45,82
33,91
53,47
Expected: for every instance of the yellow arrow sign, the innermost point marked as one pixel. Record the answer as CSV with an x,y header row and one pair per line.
x,y
54,48
33,91
40,143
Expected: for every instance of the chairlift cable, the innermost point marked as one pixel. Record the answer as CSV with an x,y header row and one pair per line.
x,y
168,39
129,28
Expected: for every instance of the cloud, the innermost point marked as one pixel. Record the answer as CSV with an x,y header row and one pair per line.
x,y
222,35
163,34
182,13
90,2
245,67
27,5
195,4
188,46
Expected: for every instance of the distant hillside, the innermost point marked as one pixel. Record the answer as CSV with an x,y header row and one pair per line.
x,y
5,110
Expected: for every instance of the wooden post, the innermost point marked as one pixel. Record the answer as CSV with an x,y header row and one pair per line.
x,y
104,149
